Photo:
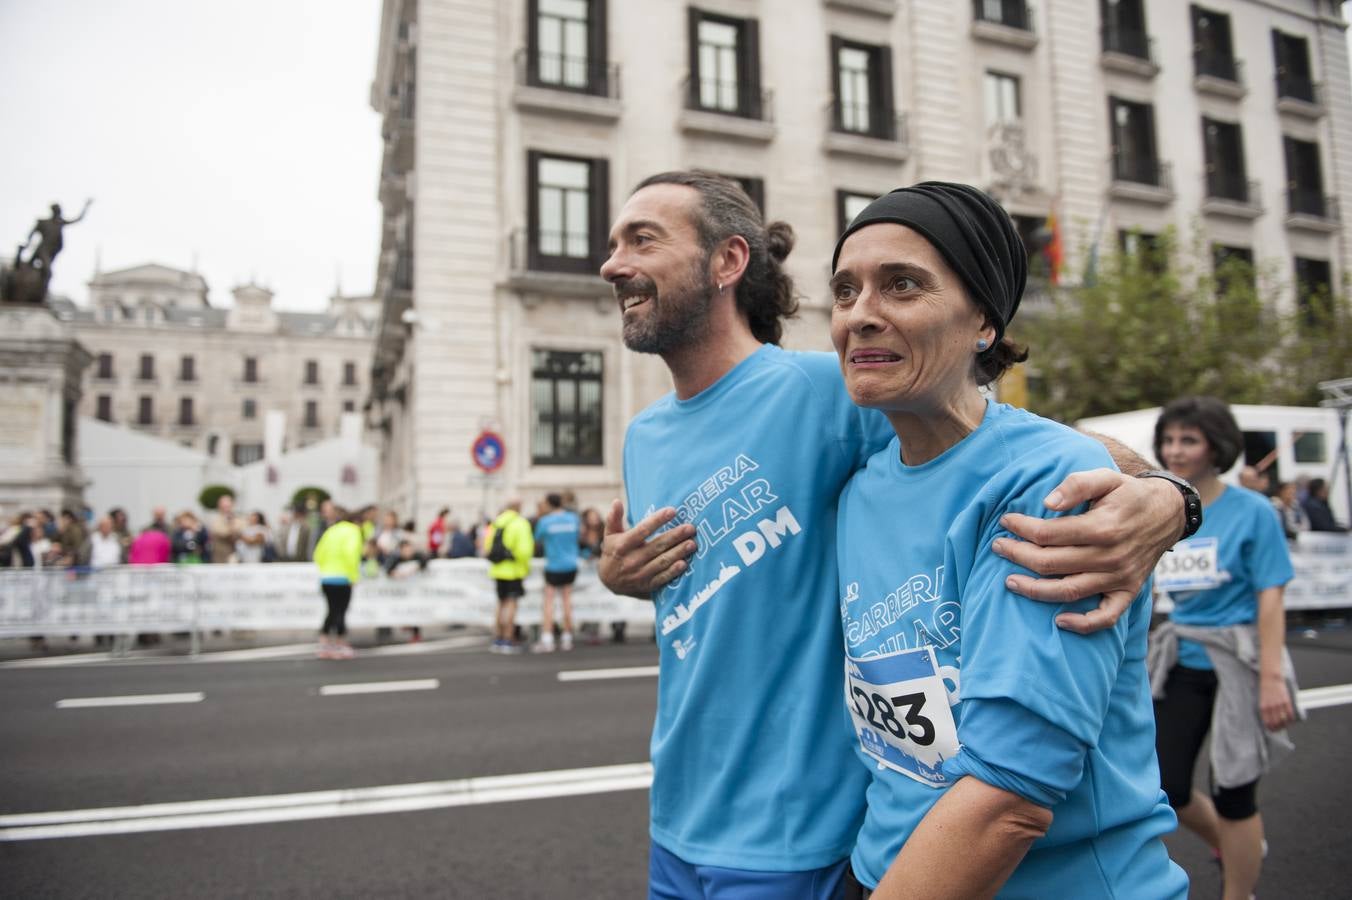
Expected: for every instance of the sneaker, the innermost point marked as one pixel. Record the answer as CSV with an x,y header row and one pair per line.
x,y
544,645
511,647
324,650
566,641
496,646
344,651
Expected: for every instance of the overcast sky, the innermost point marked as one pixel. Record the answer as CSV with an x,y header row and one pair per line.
x,y
238,134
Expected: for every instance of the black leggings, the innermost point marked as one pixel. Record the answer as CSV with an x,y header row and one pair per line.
x,y
1182,720
338,597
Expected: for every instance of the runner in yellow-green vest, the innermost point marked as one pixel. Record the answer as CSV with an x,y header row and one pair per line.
x,y
338,555
510,573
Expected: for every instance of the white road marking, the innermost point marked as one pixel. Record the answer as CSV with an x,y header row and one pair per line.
x,y
325,804
280,651
380,687
604,674
1334,695
131,700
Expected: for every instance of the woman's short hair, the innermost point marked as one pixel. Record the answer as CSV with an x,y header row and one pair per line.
x,y
1210,416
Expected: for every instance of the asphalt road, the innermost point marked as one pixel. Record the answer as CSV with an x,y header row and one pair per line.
x,y
264,728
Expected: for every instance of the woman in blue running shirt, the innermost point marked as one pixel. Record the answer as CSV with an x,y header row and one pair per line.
x,y
1228,581
1005,755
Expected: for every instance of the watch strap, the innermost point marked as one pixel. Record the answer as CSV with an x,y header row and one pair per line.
x,y
1192,501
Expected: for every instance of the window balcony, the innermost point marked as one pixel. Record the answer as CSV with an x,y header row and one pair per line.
x,y
1221,76
1128,51
537,282
884,8
1004,22
583,88
885,135
1308,210
1225,194
751,118
1144,180
1300,97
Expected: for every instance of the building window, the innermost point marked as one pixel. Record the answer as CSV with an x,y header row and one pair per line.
x,y
185,416
147,372
243,454
349,406
187,369
1223,145
862,81
1133,132
1146,248
1003,105
754,187
1304,178
105,366
1294,77
1314,287
251,369
1213,52
724,64
569,212
1124,28
1036,237
249,409
568,45
311,414
1010,13
848,205
1232,266
145,411
312,371
349,374
103,408
566,407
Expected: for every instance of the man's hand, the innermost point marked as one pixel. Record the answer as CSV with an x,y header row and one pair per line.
x,y
1109,550
634,562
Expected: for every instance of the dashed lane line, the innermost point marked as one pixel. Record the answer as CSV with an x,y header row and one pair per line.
x,y
606,674
325,804
131,700
1318,698
380,687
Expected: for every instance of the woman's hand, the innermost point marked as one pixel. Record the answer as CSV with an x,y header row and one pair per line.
x,y
1109,550
1274,702
635,563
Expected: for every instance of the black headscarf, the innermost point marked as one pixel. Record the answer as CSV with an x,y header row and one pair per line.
x,y
972,232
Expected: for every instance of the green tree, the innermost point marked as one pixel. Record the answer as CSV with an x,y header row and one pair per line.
x,y
212,494
303,494
1148,326
1318,347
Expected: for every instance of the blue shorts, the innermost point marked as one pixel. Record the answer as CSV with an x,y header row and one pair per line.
x,y
672,878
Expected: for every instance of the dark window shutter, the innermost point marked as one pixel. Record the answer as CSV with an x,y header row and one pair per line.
x,y
599,198
1279,52
750,61
885,104
532,209
692,21
837,114
599,72
532,42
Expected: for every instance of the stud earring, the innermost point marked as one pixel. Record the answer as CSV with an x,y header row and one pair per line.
x,y
981,345
720,287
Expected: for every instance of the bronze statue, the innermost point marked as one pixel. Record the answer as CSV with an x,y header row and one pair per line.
x,y
27,280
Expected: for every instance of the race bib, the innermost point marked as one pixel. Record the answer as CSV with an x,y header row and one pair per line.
x,y
900,708
1190,566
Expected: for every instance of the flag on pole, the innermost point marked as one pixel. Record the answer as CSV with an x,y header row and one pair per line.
x,y
1053,252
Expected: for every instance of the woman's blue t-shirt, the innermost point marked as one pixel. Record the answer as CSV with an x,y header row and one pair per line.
x,y
1062,720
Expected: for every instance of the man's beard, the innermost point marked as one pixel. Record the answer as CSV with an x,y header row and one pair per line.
x,y
678,318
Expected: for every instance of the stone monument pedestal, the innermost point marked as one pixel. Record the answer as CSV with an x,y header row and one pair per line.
x,y
40,369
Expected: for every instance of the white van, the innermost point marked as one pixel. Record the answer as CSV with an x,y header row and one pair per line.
x,y
1290,441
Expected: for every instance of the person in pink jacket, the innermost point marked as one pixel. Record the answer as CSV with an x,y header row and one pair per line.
x,y
150,548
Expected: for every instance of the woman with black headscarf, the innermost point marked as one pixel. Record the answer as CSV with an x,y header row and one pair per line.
x,y
1004,754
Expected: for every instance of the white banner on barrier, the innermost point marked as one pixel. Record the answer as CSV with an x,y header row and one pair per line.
x,y
278,596
1323,564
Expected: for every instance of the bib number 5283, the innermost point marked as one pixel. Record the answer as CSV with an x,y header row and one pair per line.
x,y
881,713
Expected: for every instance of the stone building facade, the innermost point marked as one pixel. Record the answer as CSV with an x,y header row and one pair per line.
x,y
514,131
168,363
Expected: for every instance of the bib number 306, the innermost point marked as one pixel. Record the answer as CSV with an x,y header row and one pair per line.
x,y
900,708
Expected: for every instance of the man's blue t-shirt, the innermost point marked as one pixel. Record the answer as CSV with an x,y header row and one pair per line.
x,y
950,675
558,532
1214,576
752,768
